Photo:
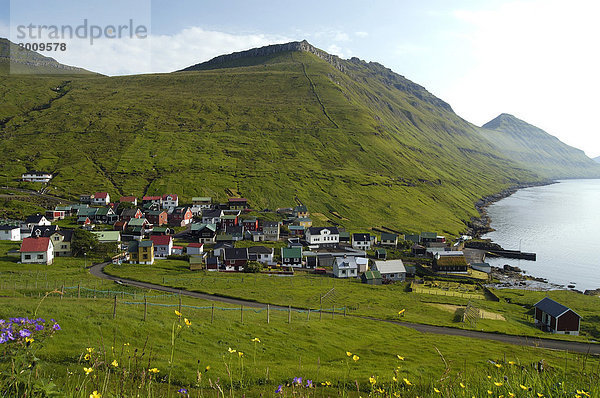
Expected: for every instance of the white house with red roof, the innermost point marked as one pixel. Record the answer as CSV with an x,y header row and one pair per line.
x,y
101,199
195,249
170,201
163,245
37,251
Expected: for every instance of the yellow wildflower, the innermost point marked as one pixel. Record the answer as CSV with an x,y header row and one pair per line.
x,y
95,394
206,369
436,390
511,362
511,395
400,358
407,382
115,363
523,387
231,350
348,353
540,395
187,321
88,370
177,313
90,350
153,370
372,380
490,392
402,311
241,354
87,357
355,358
498,365
462,385
29,339
394,378
498,384
489,377
256,340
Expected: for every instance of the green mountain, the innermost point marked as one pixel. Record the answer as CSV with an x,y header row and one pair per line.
x,y
538,150
16,60
357,143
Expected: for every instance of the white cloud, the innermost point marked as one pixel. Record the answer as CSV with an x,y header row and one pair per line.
x,y
158,53
335,50
361,34
535,59
341,36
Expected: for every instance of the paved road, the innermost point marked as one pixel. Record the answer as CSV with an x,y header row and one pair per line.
x,y
572,346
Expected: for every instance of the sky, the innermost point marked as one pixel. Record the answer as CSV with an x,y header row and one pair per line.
x,y
535,59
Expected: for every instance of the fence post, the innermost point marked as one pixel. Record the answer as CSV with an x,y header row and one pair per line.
x,y
344,311
242,313
289,314
320,308
62,291
115,307
179,301
78,291
308,315
333,310
145,307
212,314
268,313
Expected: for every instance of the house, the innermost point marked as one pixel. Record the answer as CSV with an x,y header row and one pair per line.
x,y
152,200
212,216
224,238
271,230
418,250
84,221
108,237
128,199
304,222
86,198
120,226
291,256
212,263
392,270
388,239
219,248
229,220
202,202
345,267
128,214
261,254
381,254
235,259
55,214
36,176
37,251
35,220
61,242
101,199
238,203
361,241
157,217
67,210
141,252
554,317
322,236
139,222
10,232
296,230
236,232
178,250
105,215
43,230
181,216
250,224
345,237
163,245
170,201
161,231
449,262
301,211
205,233
371,278
196,263
362,263
195,249
254,236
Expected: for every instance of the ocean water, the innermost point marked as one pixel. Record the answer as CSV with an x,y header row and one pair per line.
x,y
558,222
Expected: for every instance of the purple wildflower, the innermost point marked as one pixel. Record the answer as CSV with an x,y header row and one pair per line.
x,y
298,380
3,338
39,327
183,391
24,333
56,326
309,383
279,389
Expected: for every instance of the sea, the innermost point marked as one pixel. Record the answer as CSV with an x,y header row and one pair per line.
x,y
560,223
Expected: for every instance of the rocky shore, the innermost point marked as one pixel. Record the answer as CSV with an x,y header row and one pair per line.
x,y
514,278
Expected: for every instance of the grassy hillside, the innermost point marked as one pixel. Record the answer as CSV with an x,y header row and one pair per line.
x,y
352,138
537,149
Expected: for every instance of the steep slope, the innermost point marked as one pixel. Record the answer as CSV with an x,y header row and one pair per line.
x,y
20,61
537,149
357,143
597,159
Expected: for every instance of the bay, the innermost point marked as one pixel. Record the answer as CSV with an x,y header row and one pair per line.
x,y
558,222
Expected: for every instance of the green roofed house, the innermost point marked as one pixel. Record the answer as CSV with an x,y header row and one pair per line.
x,y
412,238
450,262
427,237
291,256
108,236
388,239
381,254
344,237
371,278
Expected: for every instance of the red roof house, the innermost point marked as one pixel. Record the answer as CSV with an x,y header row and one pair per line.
x,y
37,251
163,245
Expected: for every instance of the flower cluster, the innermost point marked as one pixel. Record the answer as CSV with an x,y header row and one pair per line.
x,y
25,330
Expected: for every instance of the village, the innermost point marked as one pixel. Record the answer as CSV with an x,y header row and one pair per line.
x,y
229,237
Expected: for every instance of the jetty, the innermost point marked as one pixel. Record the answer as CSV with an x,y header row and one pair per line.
x,y
512,254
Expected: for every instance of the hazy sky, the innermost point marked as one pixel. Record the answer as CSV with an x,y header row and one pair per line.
x,y
537,60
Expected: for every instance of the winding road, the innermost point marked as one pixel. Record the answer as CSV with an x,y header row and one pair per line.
x,y
551,344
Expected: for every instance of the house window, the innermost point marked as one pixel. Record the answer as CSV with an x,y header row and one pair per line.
x,y
40,256
56,238
63,247
145,256
27,257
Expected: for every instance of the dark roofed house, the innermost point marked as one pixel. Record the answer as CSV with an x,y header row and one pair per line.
x,y
381,254
388,239
450,262
361,241
261,254
238,203
554,317
234,259
418,250
371,278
